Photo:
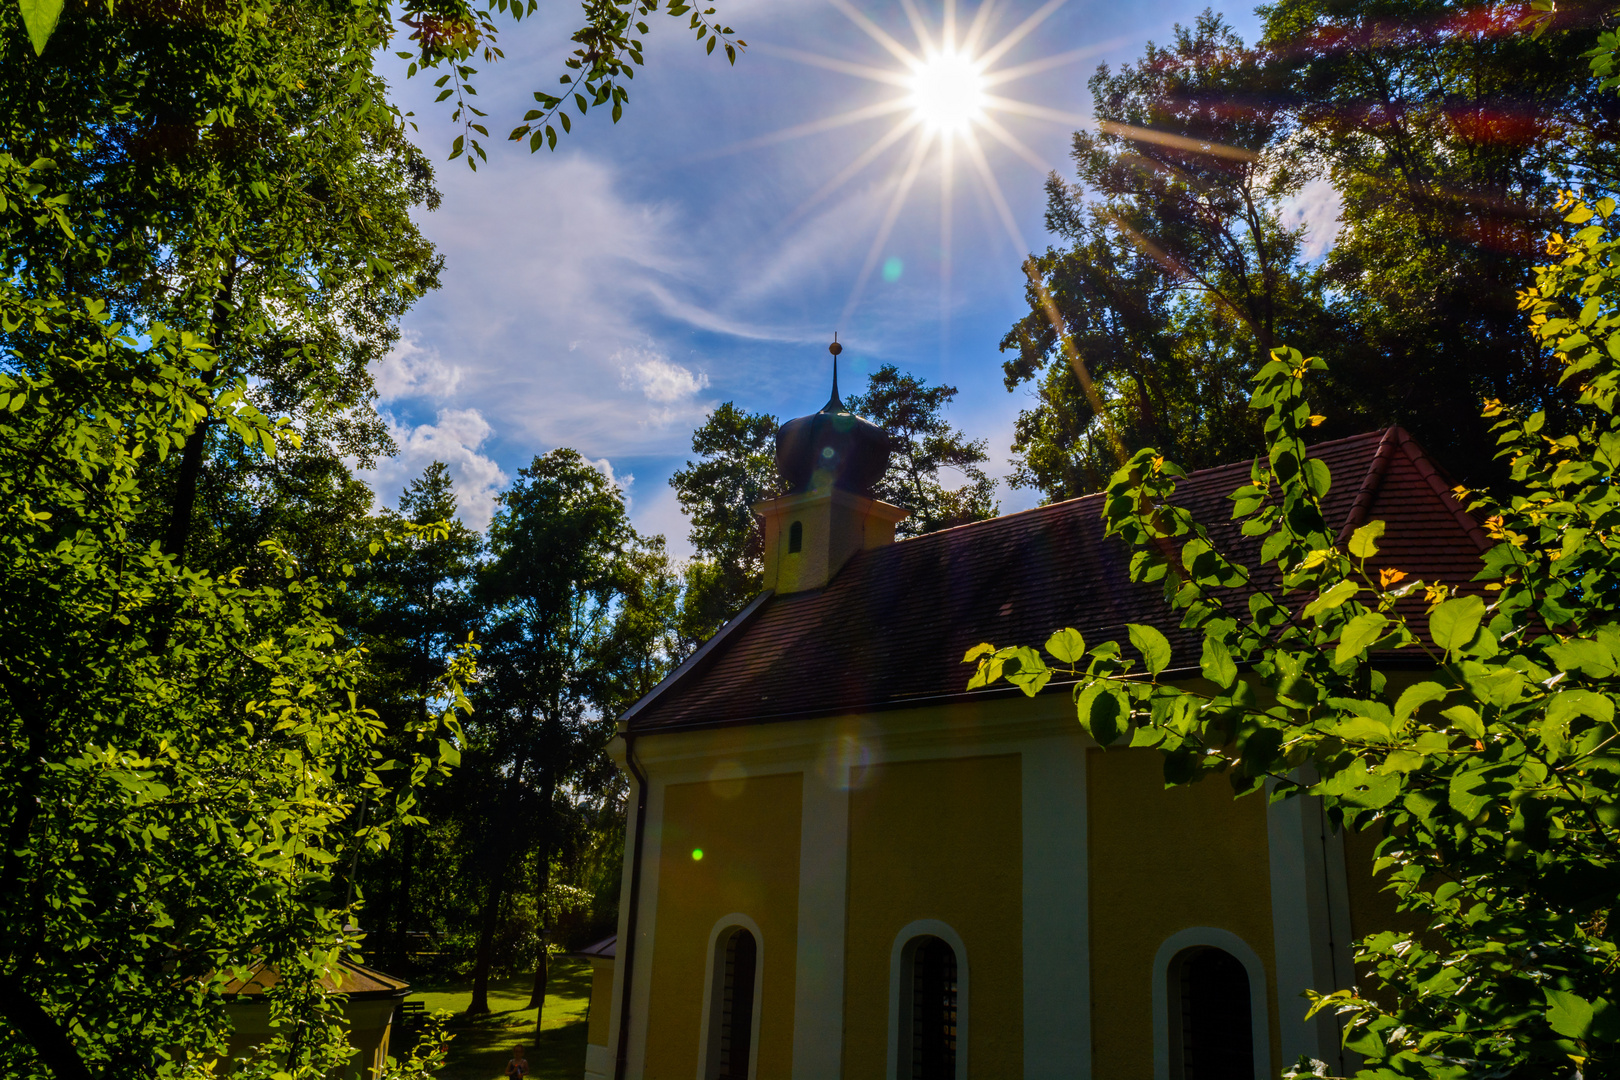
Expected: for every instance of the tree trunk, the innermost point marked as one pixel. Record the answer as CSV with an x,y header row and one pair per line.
x,y
479,1006
542,968
402,905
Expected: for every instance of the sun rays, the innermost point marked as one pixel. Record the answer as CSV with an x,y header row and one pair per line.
x,y
941,103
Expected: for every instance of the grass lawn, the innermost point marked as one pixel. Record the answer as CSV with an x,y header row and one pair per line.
x,y
483,1044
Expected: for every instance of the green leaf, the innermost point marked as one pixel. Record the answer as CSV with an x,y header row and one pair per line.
x,y
1216,663
40,17
1563,707
1334,597
1153,646
1465,720
1359,633
1453,623
1104,711
1416,696
1364,541
1580,654
1067,645
983,648
1568,1014
1317,477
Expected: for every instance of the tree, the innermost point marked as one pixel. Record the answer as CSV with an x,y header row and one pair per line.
x,y
735,468
186,760
921,444
189,774
1179,275
1448,132
411,606
551,594
1494,780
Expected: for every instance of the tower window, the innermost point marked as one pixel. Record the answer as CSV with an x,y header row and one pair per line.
x,y
1212,1038
796,538
732,1049
932,1037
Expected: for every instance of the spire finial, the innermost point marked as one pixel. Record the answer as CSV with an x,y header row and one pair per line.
x,y
834,404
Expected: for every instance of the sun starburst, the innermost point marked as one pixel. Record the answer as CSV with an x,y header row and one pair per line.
x,y
944,104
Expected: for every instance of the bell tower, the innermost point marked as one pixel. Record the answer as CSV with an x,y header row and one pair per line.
x,y
828,462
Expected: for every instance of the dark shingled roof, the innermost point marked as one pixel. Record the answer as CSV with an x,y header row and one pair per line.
x,y
891,627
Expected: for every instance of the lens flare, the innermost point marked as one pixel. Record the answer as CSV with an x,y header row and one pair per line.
x,y
697,854
947,92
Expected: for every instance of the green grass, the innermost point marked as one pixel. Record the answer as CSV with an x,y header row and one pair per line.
x,y
482,1044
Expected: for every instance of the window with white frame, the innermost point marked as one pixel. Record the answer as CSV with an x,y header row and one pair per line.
x,y
928,1003
1211,1026
735,978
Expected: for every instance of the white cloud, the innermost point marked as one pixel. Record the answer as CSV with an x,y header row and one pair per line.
x,y
454,438
1317,206
623,483
658,379
411,370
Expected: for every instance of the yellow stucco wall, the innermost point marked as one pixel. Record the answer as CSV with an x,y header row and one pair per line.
x,y
601,1018
937,840
748,830
1163,861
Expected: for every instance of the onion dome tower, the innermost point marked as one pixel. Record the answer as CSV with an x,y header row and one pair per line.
x,y
828,462
831,448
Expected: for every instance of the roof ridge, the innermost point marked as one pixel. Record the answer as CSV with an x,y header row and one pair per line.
x,y
1370,484
1310,450
1437,483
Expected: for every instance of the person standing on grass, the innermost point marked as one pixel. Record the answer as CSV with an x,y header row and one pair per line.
x,y
517,1065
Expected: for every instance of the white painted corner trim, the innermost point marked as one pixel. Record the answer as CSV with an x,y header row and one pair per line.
x,y
1259,1008
899,993
714,987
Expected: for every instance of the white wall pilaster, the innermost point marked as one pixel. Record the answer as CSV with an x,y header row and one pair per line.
x,y
818,1011
1056,912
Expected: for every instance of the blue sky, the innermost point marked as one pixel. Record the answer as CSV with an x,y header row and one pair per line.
x,y
607,295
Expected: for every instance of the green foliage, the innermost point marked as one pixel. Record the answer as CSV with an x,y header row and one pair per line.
x,y
1178,274
922,444
186,757
1448,134
735,468
1445,133
1492,776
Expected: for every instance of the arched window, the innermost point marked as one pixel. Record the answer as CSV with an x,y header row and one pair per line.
x,y
933,1011
1212,1029
731,1007
795,537
928,1003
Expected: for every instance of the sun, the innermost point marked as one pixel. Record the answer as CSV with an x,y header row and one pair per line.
x,y
947,92
948,102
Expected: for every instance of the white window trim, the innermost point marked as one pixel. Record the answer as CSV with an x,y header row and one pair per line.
x,y
714,988
1259,1010
900,991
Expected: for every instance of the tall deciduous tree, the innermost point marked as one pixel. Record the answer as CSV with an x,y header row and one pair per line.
x,y
735,468
551,592
1448,130
923,445
411,607
1177,275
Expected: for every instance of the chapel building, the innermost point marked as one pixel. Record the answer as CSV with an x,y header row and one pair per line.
x,y
840,863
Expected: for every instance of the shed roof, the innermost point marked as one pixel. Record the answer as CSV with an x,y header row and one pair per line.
x,y
356,980
890,629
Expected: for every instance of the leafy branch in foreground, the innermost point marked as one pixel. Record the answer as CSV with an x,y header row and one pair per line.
x,y
1492,775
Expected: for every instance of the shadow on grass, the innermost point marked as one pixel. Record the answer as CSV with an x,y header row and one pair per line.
x,y
483,1044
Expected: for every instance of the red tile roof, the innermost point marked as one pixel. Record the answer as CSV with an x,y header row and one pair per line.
x,y
890,629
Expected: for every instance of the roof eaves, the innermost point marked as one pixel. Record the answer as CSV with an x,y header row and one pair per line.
x,y
699,658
